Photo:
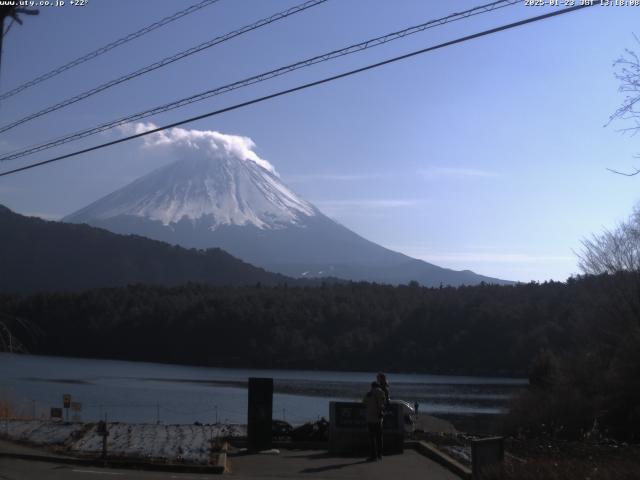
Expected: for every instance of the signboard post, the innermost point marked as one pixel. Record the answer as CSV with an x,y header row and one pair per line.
x,y
260,413
101,429
76,408
66,403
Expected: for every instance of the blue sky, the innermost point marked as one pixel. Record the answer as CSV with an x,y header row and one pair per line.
x,y
489,155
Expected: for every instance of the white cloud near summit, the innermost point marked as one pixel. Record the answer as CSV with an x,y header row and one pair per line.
x,y
206,142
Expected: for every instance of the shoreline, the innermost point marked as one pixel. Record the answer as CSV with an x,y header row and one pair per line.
x,y
512,379
136,392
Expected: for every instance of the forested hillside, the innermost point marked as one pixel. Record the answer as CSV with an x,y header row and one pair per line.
x,y
468,330
37,255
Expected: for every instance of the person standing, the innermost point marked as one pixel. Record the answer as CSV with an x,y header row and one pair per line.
x,y
374,402
381,378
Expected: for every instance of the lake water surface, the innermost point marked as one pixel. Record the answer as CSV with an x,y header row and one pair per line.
x,y
141,392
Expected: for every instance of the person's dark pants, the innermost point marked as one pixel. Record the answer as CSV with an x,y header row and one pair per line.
x,y
375,438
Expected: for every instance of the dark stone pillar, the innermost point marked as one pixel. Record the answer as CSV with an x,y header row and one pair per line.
x,y
487,456
260,413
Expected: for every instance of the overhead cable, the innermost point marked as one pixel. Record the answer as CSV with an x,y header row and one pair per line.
x,y
106,48
371,43
305,86
165,61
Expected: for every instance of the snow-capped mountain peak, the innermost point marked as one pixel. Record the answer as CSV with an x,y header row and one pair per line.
x,y
214,184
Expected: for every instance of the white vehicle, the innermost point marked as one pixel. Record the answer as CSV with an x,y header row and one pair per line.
x,y
408,414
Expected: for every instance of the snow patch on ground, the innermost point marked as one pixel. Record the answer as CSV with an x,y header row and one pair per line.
x,y
38,431
459,452
175,443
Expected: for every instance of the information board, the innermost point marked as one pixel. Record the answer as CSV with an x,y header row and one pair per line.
x,y
350,415
348,431
354,415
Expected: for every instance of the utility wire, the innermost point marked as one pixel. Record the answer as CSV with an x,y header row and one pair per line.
x,y
106,48
374,42
166,61
307,85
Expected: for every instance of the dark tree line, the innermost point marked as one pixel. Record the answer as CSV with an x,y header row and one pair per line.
x,y
484,329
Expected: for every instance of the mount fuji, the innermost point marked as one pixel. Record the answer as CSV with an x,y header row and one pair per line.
x,y
219,193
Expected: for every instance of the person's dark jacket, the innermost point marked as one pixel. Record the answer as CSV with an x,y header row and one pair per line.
x,y
374,401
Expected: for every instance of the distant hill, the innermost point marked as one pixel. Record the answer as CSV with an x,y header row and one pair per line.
x,y
38,255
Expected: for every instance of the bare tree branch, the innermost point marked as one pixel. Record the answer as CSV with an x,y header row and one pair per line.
x,y
627,72
616,254
626,174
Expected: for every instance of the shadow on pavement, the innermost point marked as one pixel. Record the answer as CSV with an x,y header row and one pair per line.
x,y
336,466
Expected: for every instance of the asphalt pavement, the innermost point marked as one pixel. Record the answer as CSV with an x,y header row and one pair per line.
x,y
319,465
13,469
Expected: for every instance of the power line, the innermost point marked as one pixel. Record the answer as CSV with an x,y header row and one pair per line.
x,y
371,43
307,85
106,48
166,61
